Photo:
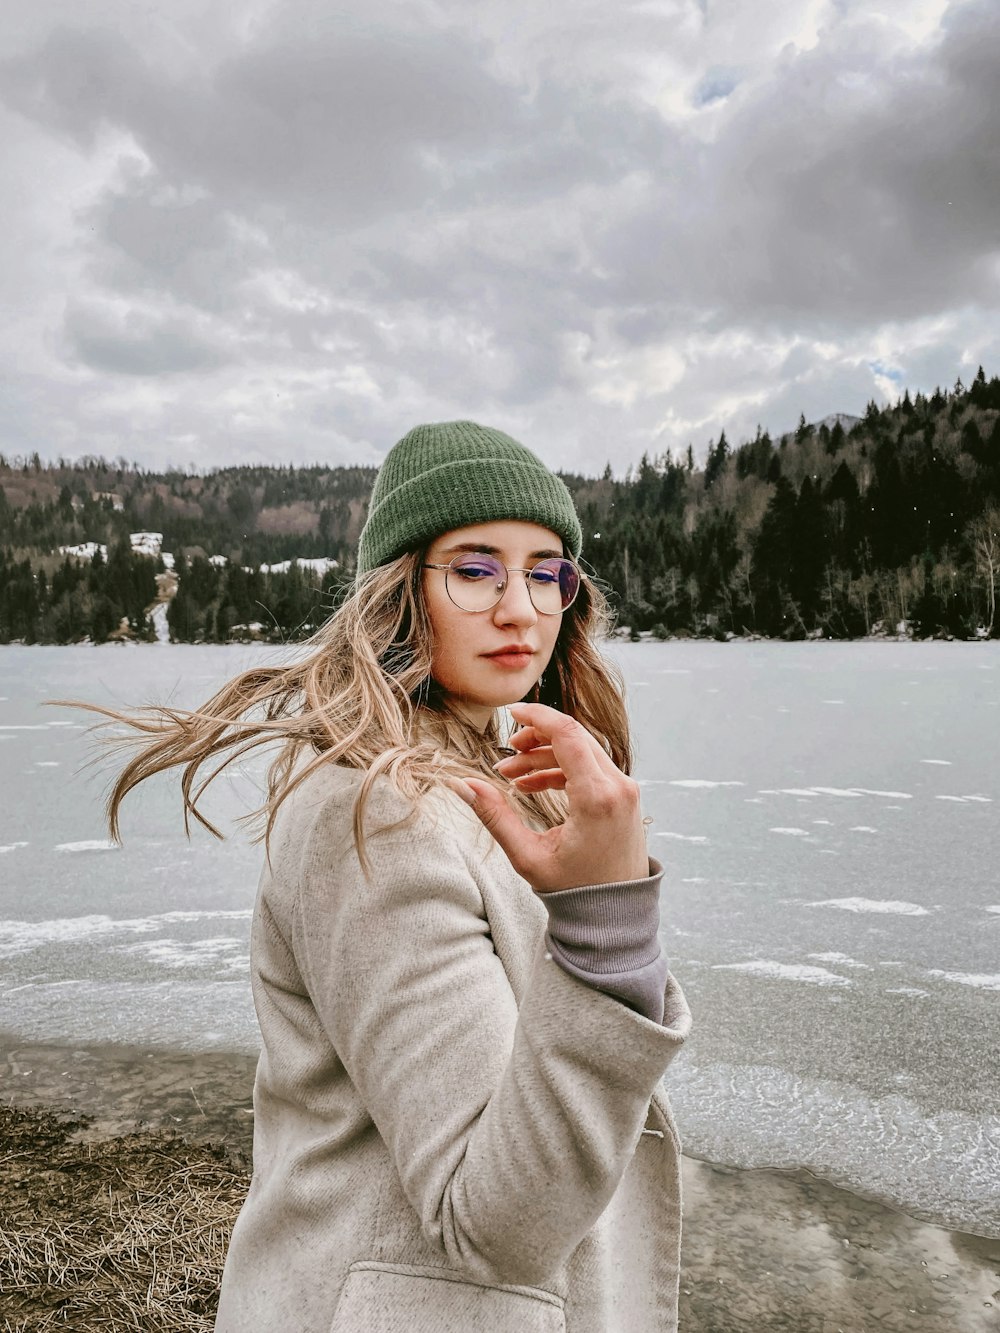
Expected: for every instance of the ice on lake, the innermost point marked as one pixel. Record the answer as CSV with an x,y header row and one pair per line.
x,y
829,899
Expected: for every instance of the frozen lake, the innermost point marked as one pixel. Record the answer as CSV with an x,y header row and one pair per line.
x,y
827,815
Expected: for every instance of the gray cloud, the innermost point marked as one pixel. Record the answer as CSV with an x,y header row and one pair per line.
x,y
131,343
289,233
349,128
839,192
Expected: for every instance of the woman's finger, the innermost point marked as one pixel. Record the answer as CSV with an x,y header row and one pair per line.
x,y
516,764
546,779
524,846
530,738
576,751
525,739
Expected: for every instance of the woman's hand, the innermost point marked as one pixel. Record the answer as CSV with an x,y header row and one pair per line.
x,y
602,840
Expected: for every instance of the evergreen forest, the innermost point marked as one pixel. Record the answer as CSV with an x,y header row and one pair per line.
x,y
884,524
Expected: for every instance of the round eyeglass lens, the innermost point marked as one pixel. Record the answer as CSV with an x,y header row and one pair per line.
x,y
553,584
475,582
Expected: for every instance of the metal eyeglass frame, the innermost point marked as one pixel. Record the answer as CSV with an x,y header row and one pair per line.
x,y
508,570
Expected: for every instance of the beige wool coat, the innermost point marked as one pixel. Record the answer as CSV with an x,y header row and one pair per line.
x,y
451,1133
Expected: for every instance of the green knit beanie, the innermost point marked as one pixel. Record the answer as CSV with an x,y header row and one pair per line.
x,y
454,473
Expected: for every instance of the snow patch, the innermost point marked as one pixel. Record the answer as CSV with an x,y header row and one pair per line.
x,y
85,550
160,625
319,565
841,959
88,845
683,837
980,980
146,543
816,976
890,795
842,791
192,953
20,937
877,905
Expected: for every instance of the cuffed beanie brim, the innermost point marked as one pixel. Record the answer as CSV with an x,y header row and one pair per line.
x,y
451,474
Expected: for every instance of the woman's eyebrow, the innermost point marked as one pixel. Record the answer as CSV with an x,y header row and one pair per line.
x,y
481,548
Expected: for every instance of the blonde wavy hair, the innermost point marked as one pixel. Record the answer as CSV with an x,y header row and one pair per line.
x,y
362,695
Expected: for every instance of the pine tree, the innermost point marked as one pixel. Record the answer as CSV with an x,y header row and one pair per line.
x,y
717,460
770,558
808,550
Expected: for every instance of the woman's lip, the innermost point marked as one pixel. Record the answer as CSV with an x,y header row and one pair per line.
x,y
512,657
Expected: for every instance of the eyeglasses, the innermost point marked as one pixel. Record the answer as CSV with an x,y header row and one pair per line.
x,y
476,582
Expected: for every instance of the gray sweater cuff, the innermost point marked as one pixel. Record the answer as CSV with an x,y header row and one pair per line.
x,y
606,936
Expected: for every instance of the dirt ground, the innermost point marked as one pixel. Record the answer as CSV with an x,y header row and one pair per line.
x,y
110,1233
121,1173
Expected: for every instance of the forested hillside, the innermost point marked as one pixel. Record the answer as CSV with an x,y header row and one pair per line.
x,y
893,520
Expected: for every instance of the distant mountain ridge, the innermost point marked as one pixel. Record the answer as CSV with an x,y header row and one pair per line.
x,y
839,528
842,419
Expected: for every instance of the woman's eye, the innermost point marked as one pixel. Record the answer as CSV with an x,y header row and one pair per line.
x,y
475,572
545,576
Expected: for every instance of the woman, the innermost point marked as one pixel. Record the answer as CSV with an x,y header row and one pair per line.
x,y
464,1009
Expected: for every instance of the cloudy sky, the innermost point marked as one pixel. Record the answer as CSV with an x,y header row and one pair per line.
x,y
286,230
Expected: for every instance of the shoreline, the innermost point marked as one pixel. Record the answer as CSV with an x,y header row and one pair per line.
x,y
774,1249
619,636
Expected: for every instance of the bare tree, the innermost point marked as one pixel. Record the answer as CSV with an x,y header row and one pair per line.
x,y
859,594
983,535
739,588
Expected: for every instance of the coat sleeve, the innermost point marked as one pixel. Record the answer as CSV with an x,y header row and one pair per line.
x,y
510,1130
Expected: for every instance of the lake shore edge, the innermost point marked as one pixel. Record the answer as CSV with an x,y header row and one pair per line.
x,y
620,634
763,1248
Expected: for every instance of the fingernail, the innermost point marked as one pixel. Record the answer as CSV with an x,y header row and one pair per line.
x,y
463,790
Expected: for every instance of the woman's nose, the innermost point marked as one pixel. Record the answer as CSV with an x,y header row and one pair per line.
x,y
515,606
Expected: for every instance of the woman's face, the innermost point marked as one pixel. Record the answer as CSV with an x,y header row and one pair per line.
x,y
485,659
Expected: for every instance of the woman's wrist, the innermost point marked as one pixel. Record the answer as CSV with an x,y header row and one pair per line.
x,y
607,935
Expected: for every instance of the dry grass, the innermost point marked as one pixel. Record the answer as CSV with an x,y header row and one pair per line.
x,y
126,1233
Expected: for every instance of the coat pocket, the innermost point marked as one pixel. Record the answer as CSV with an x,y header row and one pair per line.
x,y
405,1298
